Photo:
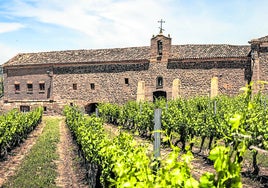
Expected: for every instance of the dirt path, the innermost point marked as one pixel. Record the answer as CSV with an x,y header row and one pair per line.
x,y
71,173
11,163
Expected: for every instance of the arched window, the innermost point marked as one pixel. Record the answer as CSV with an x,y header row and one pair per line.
x,y
159,82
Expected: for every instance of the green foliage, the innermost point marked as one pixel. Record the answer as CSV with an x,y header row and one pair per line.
x,y
200,117
15,126
122,161
39,169
233,124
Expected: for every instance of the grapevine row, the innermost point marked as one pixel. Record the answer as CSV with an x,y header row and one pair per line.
x,y
15,126
198,118
121,162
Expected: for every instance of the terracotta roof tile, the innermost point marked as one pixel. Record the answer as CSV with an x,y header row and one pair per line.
x,y
128,54
208,51
81,56
263,39
259,40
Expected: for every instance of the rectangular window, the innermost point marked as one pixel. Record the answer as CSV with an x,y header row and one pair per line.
x,y
92,86
126,81
17,87
42,86
74,86
30,87
25,108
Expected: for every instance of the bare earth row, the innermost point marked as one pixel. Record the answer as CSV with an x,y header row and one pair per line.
x,y
69,169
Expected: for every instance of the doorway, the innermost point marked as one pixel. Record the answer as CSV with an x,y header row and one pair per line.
x,y
91,108
159,95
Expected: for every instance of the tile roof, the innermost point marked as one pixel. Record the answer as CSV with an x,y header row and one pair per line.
x,y
263,39
258,40
205,51
81,56
128,54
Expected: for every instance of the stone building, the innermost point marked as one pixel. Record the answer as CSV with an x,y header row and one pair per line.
x,y
87,77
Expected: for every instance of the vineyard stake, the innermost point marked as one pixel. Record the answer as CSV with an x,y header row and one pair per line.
x,y
157,128
97,112
215,107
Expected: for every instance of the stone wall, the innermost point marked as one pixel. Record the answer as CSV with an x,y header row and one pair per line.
x,y
117,83
50,108
166,47
259,67
263,70
112,87
24,76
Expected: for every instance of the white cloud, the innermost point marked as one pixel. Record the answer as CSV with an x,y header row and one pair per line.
x,y
7,52
116,23
8,27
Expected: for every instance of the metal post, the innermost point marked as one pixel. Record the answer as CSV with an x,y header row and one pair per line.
x,y
215,107
97,112
157,128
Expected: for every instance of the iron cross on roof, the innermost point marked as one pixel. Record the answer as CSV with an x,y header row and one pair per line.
x,y
161,28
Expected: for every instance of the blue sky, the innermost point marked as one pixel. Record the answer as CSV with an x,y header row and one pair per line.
x,y
49,25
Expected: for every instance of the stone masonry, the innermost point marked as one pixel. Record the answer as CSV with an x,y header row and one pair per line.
x,y
87,77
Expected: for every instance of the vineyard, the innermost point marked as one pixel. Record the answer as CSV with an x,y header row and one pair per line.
x,y
231,126
226,131
15,126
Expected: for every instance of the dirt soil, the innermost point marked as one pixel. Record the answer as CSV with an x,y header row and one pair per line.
x,y
200,164
70,170
12,161
71,173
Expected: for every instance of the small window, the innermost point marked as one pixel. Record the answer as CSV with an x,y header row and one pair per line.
x,y
159,82
160,47
25,108
30,87
45,108
17,87
92,86
74,86
42,86
126,81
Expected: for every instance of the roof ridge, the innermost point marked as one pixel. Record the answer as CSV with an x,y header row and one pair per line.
x,y
210,45
75,50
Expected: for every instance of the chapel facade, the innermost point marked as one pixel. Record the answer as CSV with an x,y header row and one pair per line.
x,y
88,77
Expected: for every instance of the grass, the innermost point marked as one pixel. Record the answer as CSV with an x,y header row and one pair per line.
x,y
38,168
262,159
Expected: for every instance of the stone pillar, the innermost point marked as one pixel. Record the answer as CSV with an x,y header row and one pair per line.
x,y
256,74
214,87
176,87
255,64
141,91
